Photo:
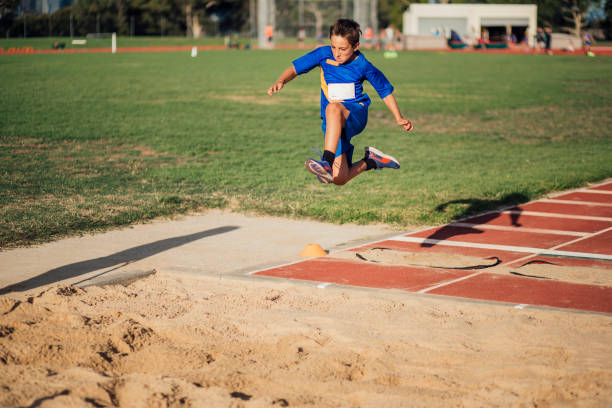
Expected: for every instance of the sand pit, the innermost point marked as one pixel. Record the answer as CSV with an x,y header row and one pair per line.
x,y
181,341
433,260
441,260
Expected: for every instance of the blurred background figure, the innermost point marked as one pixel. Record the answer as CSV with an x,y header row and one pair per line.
x,y
387,38
587,40
547,40
269,33
368,36
540,40
301,37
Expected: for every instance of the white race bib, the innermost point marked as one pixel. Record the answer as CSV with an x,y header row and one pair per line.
x,y
340,92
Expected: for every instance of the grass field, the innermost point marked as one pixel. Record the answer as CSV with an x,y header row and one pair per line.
x,y
91,141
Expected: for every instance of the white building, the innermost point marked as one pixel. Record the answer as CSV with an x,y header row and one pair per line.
x,y
468,20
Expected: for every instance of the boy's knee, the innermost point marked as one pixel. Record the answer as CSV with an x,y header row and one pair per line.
x,y
333,109
340,180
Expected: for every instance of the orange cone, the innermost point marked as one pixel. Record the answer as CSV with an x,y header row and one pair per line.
x,y
313,251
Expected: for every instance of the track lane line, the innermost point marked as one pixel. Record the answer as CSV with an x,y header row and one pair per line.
x,y
554,200
540,251
521,229
557,215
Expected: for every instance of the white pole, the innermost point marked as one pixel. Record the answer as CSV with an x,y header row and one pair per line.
x,y
114,43
262,20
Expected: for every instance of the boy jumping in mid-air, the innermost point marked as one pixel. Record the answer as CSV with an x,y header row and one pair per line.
x,y
344,105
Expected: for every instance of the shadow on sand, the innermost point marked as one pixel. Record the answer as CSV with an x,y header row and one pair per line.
x,y
475,207
117,260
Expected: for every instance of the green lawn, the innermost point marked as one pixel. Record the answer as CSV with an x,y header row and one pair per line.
x,y
91,141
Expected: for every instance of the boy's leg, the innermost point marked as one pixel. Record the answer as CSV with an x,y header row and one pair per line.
x,y
343,173
335,118
373,159
340,120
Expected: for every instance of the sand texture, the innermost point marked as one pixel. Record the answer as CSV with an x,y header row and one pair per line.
x,y
179,341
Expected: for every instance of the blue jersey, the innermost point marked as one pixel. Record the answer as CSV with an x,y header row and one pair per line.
x,y
343,82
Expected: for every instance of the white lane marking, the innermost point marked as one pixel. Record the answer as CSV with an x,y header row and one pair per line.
x,y
441,284
521,306
556,215
519,229
539,251
588,190
554,200
582,239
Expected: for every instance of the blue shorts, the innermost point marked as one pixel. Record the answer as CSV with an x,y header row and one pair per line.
x,y
355,124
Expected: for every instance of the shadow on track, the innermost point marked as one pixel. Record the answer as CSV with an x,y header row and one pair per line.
x,y
475,207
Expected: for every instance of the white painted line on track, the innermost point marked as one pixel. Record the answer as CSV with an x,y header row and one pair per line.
x,y
439,285
551,251
554,200
521,306
564,244
539,251
586,190
556,215
267,268
583,238
518,229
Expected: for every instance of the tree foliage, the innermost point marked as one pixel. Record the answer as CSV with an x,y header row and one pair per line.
x,y
220,17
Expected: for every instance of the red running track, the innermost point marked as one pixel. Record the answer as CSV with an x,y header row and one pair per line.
x,y
573,229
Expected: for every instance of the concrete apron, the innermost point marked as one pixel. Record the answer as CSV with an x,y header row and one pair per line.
x,y
217,243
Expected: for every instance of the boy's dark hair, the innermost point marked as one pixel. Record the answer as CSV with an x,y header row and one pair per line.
x,y
346,28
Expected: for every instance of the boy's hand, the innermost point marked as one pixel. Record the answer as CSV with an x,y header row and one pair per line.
x,y
406,124
278,85
285,77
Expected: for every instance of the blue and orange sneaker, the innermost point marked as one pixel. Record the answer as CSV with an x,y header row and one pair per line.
x,y
321,169
382,160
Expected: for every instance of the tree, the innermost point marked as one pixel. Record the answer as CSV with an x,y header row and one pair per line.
x,y
391,12
7,13
122,25
8,6
574,14
607,24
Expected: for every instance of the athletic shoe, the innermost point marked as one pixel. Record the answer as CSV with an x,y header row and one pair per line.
x,y
322,180
382,160
321,169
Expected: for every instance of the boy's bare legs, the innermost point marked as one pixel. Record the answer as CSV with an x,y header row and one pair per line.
x,y
343,173
335,118
336,115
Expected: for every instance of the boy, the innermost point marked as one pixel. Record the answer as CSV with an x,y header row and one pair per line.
x,y
344,105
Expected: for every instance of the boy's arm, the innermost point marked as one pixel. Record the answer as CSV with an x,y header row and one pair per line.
x,y
285,77
389,100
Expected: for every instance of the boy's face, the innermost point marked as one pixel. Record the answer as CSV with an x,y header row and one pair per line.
x,y
343,50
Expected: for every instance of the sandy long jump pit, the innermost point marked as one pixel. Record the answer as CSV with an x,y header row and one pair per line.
x,y
497,310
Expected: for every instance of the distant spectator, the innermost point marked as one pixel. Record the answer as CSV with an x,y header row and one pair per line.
x,y
587,40
269,34
368,37
548,38
399,40
540,39
484,39
301,36
526,41
387,37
